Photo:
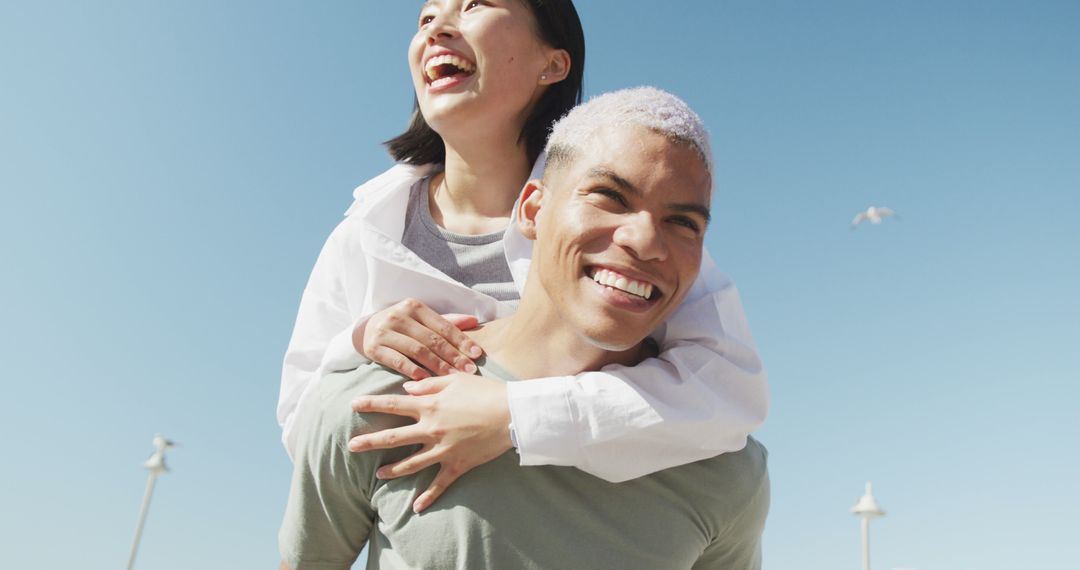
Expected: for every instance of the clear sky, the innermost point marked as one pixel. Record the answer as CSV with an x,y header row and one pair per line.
x,y
169,170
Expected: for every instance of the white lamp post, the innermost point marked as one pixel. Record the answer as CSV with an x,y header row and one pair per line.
x,y
156,466
867,509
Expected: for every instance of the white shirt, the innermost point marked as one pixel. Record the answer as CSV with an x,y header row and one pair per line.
x,y
701,397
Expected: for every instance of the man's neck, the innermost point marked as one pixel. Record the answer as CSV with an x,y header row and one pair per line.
x,y
532,347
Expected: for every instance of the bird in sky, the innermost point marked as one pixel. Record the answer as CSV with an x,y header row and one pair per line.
x,y
873,214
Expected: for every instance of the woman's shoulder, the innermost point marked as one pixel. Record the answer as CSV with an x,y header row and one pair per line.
x,y
398,177
379,206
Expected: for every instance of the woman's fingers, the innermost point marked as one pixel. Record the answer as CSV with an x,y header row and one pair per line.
x,y
446,339
444,479
429,386
403,352
409,406
385,439
412,330
461,320
418,461
397,361
429,350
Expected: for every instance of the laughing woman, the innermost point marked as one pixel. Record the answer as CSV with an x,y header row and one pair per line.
x,y
432,235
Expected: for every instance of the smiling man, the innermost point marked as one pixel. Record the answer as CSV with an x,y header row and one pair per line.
x,y
618,224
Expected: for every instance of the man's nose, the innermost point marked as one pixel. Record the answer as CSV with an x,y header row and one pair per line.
x,y
640,234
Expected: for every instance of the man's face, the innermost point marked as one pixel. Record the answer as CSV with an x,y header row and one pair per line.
x,y
619,233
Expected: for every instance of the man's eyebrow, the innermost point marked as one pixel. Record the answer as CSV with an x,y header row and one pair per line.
x,y
610,176
693,209
625,185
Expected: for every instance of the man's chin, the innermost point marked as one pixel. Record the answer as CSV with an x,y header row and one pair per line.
x,y
613,340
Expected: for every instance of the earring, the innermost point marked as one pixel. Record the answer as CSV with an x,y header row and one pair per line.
x,y
543,77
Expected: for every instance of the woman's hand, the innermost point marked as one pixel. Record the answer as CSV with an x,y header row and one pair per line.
x,y
462,421
414,340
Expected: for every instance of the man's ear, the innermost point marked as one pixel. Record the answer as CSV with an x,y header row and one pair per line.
x,y
558,67
529,208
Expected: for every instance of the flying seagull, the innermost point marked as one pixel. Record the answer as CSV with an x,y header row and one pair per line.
x,y
873,214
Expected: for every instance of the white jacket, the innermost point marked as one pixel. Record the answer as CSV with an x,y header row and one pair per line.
x,y
703,395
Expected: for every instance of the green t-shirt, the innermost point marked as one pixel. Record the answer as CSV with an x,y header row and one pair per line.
x,y
708,514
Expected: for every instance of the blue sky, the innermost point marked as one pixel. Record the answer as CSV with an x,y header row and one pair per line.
x,y
169,171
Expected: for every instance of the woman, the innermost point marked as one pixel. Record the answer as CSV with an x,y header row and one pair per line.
x,y
490,77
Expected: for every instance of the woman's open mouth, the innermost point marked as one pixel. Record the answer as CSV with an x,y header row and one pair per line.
x,y
447,69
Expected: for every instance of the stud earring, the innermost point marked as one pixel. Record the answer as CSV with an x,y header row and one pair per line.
x,y
543,77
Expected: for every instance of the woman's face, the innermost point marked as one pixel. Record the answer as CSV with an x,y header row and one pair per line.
x,y
477,66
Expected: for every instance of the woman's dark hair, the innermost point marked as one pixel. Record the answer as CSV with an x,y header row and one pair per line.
x,y
559,26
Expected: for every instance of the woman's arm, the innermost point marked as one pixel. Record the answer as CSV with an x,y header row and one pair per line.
x,y
332,303
701,397
323,321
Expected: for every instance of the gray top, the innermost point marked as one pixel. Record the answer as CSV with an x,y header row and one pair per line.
x,y
708,514
477,261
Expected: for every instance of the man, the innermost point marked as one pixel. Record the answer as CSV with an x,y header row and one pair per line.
x,y
618,224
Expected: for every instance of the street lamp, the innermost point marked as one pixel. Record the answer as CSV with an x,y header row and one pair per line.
x,y
867,509
156,466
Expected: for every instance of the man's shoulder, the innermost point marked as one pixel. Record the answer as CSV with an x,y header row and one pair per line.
x,y
743,470
326,412
729,483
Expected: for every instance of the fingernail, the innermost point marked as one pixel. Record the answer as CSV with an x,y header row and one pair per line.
x,y
409,384
418,506
354,446
382,473
475,351
470,368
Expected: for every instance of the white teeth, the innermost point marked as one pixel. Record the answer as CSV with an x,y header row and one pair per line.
x,y
435,62
623,283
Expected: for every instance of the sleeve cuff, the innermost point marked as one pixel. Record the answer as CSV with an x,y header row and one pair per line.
x,y
544,421
340,353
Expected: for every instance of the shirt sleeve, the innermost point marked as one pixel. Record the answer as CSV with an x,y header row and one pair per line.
x,y
324,324
738,545
329,514
700,397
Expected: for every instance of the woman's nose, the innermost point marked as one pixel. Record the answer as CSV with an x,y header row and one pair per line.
x,y
444,26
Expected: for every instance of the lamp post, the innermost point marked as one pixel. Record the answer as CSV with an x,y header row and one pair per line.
x,y
156,466
867,509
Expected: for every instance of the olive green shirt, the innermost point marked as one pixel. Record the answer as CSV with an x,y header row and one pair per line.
x,y
500,515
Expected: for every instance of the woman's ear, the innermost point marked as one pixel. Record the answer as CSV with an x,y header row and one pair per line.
x,y
558,67
529,208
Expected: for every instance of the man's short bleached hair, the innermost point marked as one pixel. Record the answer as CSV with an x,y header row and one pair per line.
x,y
646,107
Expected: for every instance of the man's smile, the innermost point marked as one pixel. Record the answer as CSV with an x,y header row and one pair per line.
x,y
614,279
